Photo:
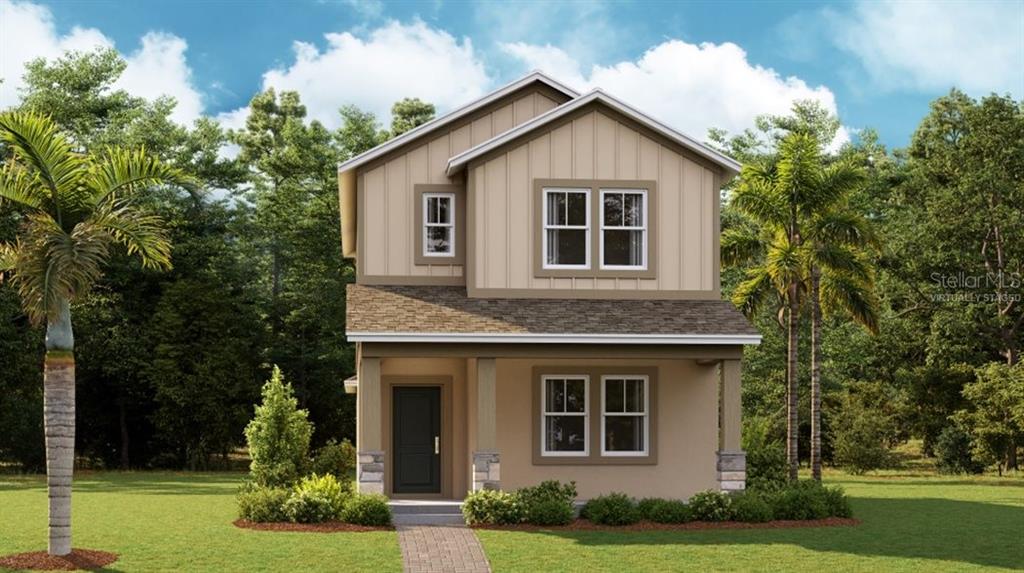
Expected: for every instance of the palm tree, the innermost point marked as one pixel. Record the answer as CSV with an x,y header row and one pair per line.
x,y
777,196
74,207
841,278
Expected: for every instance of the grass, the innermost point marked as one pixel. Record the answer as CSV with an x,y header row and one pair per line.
x,y
911,522
180,522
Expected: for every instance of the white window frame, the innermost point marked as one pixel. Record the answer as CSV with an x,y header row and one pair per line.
x,y
642,228
544,413
646,415
450,224
545,226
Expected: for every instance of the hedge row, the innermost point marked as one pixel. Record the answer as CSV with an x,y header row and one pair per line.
x,y
314,499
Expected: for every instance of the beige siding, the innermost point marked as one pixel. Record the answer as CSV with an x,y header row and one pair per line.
x,y
388,228
594,146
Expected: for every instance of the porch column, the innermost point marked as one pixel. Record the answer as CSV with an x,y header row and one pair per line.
x,y
732,461
486,461
370,450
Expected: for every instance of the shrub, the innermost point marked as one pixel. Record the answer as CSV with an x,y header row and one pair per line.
x,y
551,512
837,503
710,506
262,504
336,459
327,487
751,507
309,507
647,506
612,509
367,509
669,511
278,436
766,455
799,502
953,450
538,499
491,507
861,438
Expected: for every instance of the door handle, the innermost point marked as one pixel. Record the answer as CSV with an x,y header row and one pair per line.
x,y
437,444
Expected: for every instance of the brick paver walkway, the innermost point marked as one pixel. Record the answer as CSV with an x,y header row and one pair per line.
x,y
441,548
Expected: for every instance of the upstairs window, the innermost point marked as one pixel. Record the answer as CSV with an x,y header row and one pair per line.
x,y
624,416
623,229
564,419
438,224
566,234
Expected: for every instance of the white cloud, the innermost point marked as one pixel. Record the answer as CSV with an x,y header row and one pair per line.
x,y
977,46
158,67
688,86
391,62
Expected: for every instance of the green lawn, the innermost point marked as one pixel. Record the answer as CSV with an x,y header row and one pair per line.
x,y
165,522
180,522
910,523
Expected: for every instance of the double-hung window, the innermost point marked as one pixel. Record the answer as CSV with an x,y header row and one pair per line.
x,y
566,235
625,415
438,224
623,229
565,415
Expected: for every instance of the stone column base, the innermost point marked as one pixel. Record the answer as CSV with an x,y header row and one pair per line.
x,y
370,472
486,470
732,471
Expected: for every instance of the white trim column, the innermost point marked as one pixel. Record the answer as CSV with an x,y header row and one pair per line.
x,y
486,460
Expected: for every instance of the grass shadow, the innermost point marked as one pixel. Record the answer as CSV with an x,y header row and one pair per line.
x,y
975,533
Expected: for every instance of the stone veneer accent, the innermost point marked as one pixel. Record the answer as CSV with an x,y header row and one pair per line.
x,y
370,472
732,471
486,470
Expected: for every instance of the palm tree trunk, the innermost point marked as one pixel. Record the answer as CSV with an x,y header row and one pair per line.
x,y
59,424
815,373
792,427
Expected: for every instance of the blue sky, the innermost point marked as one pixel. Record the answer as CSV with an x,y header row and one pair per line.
x,y
694,65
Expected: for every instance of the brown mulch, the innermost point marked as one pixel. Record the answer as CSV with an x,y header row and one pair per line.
x,y
586,525
41,560
325,527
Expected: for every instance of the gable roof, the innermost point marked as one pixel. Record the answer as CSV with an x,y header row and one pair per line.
x,y
454,116
377,313
458,162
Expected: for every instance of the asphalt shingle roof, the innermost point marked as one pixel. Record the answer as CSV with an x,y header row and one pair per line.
x,y
447,309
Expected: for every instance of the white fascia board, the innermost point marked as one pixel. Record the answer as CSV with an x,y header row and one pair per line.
x,y
454,115
459,161
531,338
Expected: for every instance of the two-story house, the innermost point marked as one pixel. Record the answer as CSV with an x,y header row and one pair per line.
x,y
537,297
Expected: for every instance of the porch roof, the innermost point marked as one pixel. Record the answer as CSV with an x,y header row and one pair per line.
x,y
377,313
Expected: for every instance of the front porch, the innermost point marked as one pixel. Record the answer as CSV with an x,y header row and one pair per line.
x,y
436,421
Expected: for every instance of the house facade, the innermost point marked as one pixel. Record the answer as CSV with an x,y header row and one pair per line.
x,y
537,297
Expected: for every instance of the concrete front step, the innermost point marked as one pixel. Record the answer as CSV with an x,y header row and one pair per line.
x,y
422,506
428,519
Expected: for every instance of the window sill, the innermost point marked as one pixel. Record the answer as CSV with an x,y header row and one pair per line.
x,y
595,460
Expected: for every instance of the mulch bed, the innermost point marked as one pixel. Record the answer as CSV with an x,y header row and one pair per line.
x,y
41,560
586,525
325,527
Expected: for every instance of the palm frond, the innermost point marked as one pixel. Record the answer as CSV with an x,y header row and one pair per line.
x,y
121,171
751,294
844,293
760,200
843,228
843,259
36,141
19,186
140,233
784,262
741,244
8,256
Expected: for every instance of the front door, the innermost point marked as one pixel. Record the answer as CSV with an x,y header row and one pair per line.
x,y
416,431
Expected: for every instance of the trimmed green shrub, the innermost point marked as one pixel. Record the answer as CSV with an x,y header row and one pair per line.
x,y
766,454
327,487
336,459
953,450
491,507
309,507
836,501
800,502
669,511
612,509
537,499
751,507
861,437
551,512
278,436
262,504
367,509
710,506
648,505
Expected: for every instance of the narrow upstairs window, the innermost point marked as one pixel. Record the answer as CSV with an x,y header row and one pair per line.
x,y
438,224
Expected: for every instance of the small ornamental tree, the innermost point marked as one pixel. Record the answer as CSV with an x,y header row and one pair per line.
x,y
278,436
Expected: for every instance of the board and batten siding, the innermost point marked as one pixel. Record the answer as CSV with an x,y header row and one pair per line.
x,y
386,190
594,145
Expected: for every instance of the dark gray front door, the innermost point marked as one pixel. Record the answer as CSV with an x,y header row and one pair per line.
x,y
416,432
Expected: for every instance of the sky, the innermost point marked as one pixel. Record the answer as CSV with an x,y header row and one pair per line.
x,y
693,65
